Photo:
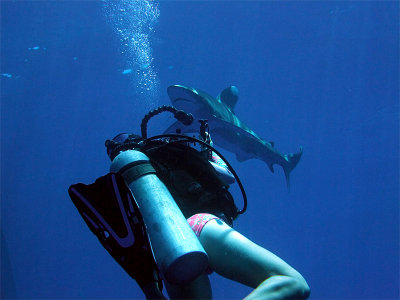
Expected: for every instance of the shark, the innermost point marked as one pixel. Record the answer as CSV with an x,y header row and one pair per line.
x,y
226,129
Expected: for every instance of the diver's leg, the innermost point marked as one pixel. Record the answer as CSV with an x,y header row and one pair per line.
x,y
235,257
200,288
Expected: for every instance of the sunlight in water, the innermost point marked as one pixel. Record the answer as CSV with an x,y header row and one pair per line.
x,y
134,21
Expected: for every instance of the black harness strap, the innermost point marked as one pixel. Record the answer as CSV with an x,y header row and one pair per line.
x,y
131,172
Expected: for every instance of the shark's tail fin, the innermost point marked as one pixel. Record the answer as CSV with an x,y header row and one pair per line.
x,y
292,161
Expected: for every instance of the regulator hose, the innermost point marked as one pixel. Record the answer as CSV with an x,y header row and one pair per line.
x,y
180,115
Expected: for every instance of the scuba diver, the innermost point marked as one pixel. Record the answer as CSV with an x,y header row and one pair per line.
x,y
165,214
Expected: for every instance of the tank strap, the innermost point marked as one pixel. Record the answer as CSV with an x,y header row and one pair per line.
x,y
137,169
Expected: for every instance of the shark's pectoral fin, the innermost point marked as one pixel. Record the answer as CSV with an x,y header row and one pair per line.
x,y
241,158
292,161
178,126
271,167
174,127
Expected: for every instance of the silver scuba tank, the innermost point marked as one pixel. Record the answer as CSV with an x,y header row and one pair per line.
x,y
177,250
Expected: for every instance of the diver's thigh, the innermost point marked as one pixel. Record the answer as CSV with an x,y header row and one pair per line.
x,y
200,288
234,256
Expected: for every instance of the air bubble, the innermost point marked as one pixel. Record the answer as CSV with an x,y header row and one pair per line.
x,y
134,22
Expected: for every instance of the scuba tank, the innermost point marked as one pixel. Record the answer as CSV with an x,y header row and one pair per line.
x,y
132,211
177,251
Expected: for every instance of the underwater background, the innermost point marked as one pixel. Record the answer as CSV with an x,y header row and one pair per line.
x,y
323,75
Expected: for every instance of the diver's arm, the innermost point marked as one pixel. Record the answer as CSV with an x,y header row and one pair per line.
x,y
280,287
222,169
217,162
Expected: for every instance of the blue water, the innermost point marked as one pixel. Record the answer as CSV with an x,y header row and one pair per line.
x,y
322,75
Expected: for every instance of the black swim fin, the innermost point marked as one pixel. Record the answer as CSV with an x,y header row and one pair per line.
x,y
112,214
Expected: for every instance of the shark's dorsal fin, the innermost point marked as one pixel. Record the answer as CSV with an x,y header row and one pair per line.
x,y
229,96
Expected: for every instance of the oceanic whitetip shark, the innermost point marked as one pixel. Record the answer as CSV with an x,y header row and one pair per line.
x,y
226,130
